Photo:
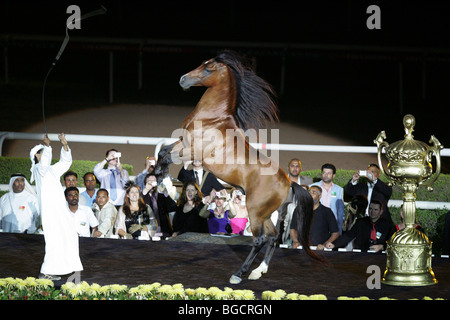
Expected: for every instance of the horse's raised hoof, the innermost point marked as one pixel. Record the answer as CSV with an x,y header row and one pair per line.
x,y
235,279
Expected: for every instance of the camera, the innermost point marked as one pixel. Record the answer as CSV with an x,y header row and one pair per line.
x,y
365,173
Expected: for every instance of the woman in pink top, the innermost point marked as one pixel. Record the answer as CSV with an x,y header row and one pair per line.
x,y
238,211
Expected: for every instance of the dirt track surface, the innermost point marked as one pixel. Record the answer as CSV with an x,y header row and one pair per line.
x,y
199,260
161,121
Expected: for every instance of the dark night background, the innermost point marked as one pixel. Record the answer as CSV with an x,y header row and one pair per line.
x,y
340,77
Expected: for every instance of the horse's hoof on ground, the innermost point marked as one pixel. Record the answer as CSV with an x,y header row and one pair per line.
x,y
235,279
255,275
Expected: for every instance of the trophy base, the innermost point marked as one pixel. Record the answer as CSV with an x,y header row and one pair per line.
x,y
409,279
409,260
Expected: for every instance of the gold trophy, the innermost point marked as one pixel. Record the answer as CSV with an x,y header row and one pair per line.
x,y
409,250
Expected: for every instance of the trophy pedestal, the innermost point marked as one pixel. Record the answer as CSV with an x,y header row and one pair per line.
x,y
409,259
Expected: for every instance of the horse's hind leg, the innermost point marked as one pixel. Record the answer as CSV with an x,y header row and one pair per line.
x,y
258,244
264,266
272,241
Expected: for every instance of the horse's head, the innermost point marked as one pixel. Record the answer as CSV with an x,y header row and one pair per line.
x,y
252,98
207,74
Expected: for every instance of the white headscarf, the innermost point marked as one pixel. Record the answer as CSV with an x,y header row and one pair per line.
x,y
28,188
20,211
32,154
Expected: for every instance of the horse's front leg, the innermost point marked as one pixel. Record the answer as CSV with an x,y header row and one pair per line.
x,y
164,160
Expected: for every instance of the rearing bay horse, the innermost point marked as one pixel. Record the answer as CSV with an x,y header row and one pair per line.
x,y
236,100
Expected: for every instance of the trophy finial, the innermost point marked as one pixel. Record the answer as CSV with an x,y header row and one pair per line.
x,y
409,123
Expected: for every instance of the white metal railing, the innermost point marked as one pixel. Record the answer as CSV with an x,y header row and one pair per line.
x,y
429,205
84,138
160,141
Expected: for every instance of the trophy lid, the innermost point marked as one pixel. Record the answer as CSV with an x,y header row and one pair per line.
x,y
408,150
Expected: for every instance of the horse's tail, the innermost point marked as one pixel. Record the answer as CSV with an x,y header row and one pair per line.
x,y
304,208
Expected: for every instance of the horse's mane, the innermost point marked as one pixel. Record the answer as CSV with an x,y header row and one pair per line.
x,y
255,98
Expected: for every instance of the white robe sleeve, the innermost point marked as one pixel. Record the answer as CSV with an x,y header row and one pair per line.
x,y
4,208
64,163
44,162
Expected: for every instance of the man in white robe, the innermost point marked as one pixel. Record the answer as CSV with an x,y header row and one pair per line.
x,y
61,238
19,209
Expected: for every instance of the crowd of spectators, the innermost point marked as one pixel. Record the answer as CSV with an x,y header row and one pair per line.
x,y
114,206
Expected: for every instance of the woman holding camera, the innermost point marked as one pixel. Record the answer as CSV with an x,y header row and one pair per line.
x,y
219,217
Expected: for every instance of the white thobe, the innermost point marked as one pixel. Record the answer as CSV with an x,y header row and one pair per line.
x,y
19,212
61,238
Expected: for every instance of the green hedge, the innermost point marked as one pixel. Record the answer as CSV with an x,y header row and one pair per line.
x,y
431,220
10,165
441,187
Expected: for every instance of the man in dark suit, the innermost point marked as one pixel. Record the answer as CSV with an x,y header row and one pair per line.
x,y
373,189
370,233
205,180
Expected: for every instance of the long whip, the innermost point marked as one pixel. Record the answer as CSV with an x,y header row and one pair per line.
x,y
102,10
